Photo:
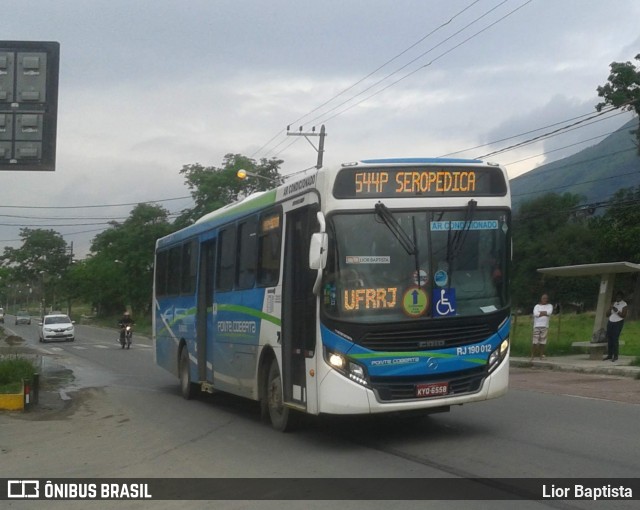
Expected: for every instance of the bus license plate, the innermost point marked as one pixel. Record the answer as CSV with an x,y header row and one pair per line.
x,y
432,389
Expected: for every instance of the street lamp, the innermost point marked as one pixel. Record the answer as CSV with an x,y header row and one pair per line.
x,y
243,174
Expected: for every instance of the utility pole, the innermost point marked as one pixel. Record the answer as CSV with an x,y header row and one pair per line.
x,y
320,148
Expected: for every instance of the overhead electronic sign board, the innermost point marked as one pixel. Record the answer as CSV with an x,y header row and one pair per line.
x,y
397,182
28,104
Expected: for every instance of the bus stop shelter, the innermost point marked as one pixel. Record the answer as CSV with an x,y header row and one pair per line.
x,y
607,272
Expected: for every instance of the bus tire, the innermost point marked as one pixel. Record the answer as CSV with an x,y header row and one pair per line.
x,y
282,418
187,388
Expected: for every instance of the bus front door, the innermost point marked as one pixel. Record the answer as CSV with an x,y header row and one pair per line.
x,y
299,314
205,305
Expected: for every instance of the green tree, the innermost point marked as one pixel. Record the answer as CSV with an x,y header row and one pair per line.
x,y
41,262
619,232
41,250
622,90
548,231
120,269
214,187
5,280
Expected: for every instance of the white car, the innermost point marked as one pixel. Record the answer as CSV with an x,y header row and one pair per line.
x,y
57,327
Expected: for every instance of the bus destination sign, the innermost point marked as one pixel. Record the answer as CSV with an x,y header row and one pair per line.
x,y
415,181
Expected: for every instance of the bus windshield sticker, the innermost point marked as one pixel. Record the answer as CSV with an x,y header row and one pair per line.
x,y
424,278
438,226
368,259
415,302
444,302
441,278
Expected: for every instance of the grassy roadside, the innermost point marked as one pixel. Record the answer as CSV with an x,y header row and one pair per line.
x,y
13,369
12,372
565,329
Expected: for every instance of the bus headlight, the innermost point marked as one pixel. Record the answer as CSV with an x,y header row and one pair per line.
x,y
357,373
346,367
336,361
496,357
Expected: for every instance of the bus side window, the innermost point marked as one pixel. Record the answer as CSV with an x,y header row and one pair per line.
x,y
173,271
189,268
161,273
269,249
225,271
246,267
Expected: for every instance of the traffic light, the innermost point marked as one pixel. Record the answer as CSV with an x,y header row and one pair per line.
x,y
28,104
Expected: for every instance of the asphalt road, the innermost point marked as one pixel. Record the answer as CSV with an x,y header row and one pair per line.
x,y
127,419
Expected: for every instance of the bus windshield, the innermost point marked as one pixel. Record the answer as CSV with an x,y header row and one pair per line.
x,y
408,265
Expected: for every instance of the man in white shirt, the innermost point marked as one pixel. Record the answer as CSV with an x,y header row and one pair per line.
x,y
541,313
616,314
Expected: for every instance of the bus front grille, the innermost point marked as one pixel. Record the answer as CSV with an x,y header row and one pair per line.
x,y
401,388
426,339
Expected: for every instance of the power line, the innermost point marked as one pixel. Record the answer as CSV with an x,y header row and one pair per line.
x,y
604,204
582,182
90,206
525,133
62,217
405,66
388,62
528,175
544,135
428,64
295,140
368,75
558,149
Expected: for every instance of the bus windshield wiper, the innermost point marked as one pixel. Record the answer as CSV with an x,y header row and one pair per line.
x,y
456,241
392,224
410,244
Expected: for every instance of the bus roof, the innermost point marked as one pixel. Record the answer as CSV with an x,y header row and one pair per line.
x,y
253,202
263,199
423,161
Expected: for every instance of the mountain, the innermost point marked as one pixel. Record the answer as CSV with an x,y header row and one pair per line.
x,y
595,173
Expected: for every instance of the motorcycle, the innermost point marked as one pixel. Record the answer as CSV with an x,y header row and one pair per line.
x,y
126,332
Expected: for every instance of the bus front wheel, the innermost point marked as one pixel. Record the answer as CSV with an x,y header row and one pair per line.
x,y
282,418
187,388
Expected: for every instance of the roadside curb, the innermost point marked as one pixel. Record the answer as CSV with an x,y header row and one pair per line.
x,y
580,366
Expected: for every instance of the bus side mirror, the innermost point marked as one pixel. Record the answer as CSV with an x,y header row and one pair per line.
x,y
318,250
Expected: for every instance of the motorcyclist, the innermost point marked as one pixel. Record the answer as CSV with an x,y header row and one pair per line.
x,y
125,321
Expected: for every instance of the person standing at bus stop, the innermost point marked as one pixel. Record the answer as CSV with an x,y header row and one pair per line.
x,y
541,314
616,314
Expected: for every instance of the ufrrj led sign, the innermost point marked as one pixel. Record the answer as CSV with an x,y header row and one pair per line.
x,y
28,104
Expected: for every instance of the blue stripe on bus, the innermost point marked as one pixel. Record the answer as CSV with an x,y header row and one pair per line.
x,y
394,364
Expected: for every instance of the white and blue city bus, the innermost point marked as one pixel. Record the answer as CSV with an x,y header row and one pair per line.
x,y
379,286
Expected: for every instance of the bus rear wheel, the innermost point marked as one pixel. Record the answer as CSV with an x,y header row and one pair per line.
x,y
282,418
187,388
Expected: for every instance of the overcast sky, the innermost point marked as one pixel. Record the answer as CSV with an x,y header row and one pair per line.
x,y
147,86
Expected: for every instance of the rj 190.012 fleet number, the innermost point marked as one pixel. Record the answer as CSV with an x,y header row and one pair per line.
x,y
473,349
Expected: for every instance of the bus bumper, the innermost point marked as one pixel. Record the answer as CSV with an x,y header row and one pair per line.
x,y
339,395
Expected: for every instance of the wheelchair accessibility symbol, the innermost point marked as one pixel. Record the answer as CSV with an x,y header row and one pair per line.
x,y
444,302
